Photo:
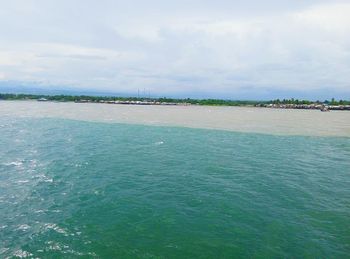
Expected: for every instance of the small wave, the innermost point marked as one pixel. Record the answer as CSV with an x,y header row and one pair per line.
x,y
80,164
65,249
55,228
159,143
14,163
3,226
22,181
43,178
22,254
23,227
33,162
54,246
4,250
73,252
45,211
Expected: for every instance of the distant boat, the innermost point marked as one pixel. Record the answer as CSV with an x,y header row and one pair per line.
x,y
324,109
42,100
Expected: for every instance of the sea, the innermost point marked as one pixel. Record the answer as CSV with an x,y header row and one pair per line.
x,y
76,188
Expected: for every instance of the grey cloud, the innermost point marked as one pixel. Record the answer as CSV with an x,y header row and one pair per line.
x,y
178,46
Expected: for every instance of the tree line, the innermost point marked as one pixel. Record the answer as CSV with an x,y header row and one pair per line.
x,y
212,102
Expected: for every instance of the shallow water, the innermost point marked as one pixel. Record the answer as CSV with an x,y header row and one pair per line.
x,y
99,190
242,119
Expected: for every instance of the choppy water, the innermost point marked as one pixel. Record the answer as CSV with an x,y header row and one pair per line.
x,y
95,190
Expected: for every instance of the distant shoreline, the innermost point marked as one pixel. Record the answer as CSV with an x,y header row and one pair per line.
x,y
326,105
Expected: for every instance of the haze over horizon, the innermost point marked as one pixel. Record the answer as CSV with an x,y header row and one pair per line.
x,y
227,49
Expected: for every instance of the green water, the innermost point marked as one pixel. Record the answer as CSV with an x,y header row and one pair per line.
x,y
78,189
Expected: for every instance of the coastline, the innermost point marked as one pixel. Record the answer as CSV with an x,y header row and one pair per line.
x,y
341,105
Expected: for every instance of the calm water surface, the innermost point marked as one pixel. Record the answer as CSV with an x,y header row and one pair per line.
x,y
100,190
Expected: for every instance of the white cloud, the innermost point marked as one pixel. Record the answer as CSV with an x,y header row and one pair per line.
x,y
181,47
330,17
138,32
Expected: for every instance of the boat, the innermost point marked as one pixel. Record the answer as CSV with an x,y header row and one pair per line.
x,y
324,109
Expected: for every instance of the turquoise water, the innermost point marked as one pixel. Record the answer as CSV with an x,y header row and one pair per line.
x,y
94,190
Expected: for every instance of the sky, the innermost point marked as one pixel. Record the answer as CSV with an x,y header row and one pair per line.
x,y
227,49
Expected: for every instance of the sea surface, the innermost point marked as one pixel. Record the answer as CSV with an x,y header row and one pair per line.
x,y
84,189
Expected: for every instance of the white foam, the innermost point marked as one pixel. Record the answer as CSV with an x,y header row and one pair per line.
x,y
23,227
43,178
55,228
55,246
14,163
3,226
3,250
22,254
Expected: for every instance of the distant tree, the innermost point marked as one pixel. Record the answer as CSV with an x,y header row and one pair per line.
x,y
333,102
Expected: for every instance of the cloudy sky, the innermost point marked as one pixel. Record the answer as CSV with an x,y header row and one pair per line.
x,y
235,49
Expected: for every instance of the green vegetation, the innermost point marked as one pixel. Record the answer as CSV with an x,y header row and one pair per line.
x,y
217,102
307,102
212,102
